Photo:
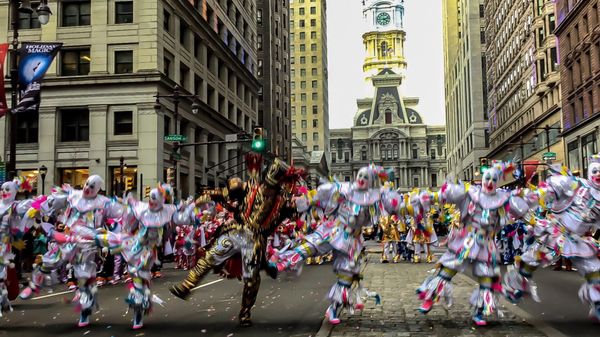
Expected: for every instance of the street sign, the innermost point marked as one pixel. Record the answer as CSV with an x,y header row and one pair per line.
x,y
549,156
231,138
2,173
175,138
175,156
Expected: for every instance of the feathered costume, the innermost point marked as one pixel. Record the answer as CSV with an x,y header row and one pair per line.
x,y
347,207
573,213
484,211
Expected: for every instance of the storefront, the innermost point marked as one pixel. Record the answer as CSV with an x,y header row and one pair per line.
x,y
129,181
75,177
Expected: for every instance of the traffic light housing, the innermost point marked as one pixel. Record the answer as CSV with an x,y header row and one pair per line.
x,y
258,140
128,184
147,192
483,164
171,176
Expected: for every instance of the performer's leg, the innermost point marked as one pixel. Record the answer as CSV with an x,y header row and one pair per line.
x,y
139,298
439,285
85,272
292,258
483,300
216,254
42,270
4,301
251,286
590,291
417,254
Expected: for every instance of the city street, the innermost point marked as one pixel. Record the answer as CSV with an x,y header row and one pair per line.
x,y
286,307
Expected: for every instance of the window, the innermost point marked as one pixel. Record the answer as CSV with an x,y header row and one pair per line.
x,y
313,47
315,137
301,23
259,41
363,154
573,154
315,96
302,35
183,33
27,127
315,110
313,59
167,21
313,22
75,177
75,125
315,123
124,62
303,110
302,59
432,153
167,125
302,84
313,10
75,62
124,12
415,152
303,47
553,59
346,157
314,72
123,123
302,72
388,116
259,16
433,180
415,182
167,66
303,123
303,97
301,11
29,21
304,137
313,35
384,49
551,23
315,147
75,13
588,143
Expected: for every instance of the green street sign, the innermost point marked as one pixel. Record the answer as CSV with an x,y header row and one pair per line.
x,y
175,138
175,156
549,156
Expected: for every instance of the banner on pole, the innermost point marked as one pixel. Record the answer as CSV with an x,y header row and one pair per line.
x,y
3,105
35,59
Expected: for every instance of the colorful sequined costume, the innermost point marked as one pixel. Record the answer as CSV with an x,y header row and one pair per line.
x,y
144,224
391,228
13,224
257,208
85,213
347,207
573,206
484,211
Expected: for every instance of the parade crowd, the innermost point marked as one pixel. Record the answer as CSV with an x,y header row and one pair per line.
x,y
275,223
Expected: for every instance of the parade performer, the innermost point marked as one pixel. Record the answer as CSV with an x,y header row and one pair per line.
x,y
573,213
257,207
390,227
421,233
484,211
347,207
144,225
13,226
86,211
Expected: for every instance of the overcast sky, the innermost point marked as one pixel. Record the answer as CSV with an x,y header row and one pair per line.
x,y
424,54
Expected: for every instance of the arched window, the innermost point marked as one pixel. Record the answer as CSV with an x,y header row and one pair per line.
x,y
388,116
384,49
415,151
396,155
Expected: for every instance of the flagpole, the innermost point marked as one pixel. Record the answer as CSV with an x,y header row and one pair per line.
x,y
14,81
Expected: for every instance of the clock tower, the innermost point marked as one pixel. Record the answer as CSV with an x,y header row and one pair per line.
x,y
385,36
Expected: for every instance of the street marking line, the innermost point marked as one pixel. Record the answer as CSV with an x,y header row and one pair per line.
x,y
70,291
52,295
208,284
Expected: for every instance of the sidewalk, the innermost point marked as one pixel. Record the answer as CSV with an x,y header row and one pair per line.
x,y
397,314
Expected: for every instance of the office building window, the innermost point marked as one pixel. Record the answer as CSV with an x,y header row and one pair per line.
x,y
363,154
315,147
315,136
73,176
123,123
124,12
433,180
346,157
27,127
75,13
313,35
75,125
315,110
304,137
315,123
313,22
303,123
573,155
167,21
415,152
75,62
123,62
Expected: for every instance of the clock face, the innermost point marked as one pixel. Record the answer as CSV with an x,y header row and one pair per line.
x,y
383,19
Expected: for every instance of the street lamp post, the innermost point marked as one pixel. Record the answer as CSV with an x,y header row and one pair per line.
x,y
122,180
43,170
16,7
176,97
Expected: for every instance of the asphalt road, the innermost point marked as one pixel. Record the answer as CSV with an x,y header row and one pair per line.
x,y
288,306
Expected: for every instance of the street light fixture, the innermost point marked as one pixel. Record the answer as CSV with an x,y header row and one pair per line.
x,y
43,170
44,13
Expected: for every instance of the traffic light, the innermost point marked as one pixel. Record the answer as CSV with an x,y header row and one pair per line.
x,y
258,140
171,176
128,184
147,192
483,164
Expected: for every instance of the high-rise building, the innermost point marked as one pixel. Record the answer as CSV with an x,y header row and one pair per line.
x,y
465,86
523,82
309,84
578,30
98,97
272,18
387,128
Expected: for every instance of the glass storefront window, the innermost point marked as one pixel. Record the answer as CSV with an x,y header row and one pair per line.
x,y
573,154
129,179
588,142
75,177
33,176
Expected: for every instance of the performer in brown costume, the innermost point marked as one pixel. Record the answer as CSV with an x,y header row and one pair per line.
x,y
258,207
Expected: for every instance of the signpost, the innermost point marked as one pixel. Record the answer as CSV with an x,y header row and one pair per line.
x,y
175,138
231,140
549,156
